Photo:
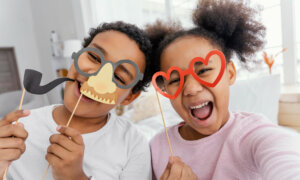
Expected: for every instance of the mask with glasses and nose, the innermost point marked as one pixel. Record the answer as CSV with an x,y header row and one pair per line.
x,y
103,76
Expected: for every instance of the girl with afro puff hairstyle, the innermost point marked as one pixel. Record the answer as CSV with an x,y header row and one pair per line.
x,y
212,142
97,144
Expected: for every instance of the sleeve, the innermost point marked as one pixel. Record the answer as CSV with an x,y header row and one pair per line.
x,y
139,164
273,151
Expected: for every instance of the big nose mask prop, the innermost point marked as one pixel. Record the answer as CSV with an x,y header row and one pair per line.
x,y
102,85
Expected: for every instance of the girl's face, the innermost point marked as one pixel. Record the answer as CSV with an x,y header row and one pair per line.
x,y
204,109
115,46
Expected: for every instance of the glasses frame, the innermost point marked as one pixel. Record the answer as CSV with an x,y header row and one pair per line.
x,y
190,70
75,57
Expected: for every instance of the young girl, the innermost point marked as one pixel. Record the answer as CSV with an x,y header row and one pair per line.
x,y
213,143
97,145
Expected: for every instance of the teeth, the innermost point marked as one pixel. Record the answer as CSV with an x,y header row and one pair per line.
x,y
200,105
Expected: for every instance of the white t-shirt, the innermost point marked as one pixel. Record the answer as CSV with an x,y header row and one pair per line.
x,y
116,151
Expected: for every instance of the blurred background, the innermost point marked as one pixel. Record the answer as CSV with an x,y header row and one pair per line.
x,y
42,34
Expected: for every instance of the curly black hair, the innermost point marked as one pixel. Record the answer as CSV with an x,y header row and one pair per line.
x,y
229,25
134,33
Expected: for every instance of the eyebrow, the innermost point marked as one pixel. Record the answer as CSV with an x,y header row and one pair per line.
x,y
105,53
201,63
126,71
100,48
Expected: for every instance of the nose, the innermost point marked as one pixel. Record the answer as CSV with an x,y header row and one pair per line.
x,y
191,86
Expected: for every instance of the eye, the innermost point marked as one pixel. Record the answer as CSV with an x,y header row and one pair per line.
x,y
202,71
91,55
173,81
118,78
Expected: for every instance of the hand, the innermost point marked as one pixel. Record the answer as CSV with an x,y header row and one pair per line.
x,y
65,154
176,169
12,138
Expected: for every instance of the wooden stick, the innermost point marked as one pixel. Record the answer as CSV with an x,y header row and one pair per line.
x,y
4,175
45,173
162,115
68,123
20,107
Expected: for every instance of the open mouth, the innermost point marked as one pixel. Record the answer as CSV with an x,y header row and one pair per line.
x,y
202,111
89,92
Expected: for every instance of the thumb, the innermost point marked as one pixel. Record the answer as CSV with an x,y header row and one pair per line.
x,y
20,124
166,173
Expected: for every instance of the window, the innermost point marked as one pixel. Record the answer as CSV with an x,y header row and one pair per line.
x,y
9,76
297,20
153,10
269,12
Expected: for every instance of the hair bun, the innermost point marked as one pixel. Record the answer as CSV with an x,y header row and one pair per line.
x,y
232,21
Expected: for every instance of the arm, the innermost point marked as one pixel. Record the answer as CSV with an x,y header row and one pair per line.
x,y
274,152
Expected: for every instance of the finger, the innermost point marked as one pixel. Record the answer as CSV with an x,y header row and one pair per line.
x,y
13,130
190,173
53,160
176,170
166,173
14,116
10,154
58,151
186,173
176,159
63,141
12,143
70,132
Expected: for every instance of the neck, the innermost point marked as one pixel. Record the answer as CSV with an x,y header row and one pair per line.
x,y
190,134
61,116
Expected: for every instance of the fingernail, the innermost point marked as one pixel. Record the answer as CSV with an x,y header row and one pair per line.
x,y
58,128
171,159
20,124
25,111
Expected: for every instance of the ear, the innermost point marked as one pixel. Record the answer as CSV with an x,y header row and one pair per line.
x,y
232,72
131,97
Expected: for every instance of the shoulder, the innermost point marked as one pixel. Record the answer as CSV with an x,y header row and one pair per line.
x,y
254,129
245,121
160,138
38,115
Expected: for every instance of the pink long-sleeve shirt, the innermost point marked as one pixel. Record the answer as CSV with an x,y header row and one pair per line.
x,y
248,146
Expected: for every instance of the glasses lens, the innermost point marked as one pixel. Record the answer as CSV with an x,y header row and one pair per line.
x,y
125,74
89,62
171,85
209,72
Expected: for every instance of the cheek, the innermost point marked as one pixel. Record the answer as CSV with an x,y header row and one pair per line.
x,y
122,94
72,71
177,105
221,95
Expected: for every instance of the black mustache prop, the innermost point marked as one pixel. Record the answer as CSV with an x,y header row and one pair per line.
x,y
32,80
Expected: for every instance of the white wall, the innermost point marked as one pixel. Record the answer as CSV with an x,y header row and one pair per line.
x,y
26,26
47,16
17,31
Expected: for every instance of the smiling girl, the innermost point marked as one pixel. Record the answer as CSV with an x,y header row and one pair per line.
x,y
212,142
